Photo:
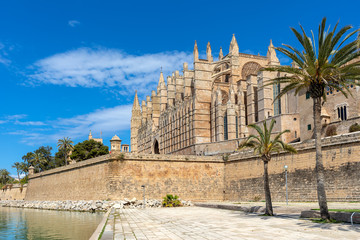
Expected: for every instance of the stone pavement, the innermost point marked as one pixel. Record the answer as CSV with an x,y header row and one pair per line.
x,y
210,223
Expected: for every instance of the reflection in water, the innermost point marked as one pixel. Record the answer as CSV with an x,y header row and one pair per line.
x,y
18,223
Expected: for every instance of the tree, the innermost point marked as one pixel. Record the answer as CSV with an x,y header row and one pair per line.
x,y
265,146
24,168
328,63
17,166
4,176
38,161
46,153
47,161
66,145
88,149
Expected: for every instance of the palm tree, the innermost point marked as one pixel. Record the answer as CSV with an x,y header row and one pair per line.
x,y
17,165
328,63
38,160
66,145
265,146
4,176
24,168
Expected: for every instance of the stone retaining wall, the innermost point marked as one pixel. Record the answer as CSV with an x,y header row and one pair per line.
x,y
16,192
238,177
117,176
341,157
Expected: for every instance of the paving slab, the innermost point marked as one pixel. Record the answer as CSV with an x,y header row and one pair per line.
x,y
210,223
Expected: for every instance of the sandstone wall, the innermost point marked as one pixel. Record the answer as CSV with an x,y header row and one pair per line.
x,y
111,177
237,177
15,193
341,156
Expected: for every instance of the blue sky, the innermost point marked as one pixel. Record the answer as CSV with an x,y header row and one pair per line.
x,y
70,66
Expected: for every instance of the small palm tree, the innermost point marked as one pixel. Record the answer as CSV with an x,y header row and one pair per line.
x,y
265,146
17,166
4,176
328,63
66,145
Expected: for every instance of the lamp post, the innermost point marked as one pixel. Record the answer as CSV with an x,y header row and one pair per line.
x,y
286,185
143,187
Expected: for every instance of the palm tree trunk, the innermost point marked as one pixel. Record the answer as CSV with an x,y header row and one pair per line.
x,y
319,167
269,209
65,156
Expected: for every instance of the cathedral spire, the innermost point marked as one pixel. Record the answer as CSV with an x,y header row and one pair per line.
x,y
196,52
271,55
234,47
221,55
136,105
208,53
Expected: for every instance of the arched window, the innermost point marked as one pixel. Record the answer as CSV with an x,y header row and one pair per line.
x,y
342,112
225,127
277,102
237,126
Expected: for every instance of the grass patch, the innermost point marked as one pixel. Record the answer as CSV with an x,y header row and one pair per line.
x,y
102,231
320,220
340,210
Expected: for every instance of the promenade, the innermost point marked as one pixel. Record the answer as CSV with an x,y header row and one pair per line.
x,y
212,223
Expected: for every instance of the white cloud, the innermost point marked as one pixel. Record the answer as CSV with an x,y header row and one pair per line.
x,y
108,120
73,23
4,54
30,123
86,67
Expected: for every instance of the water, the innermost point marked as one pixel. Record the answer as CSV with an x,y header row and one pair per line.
x,y
19,223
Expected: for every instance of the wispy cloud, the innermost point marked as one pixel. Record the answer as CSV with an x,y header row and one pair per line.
x,y
86,67
73,23
4,54
107,120
29,123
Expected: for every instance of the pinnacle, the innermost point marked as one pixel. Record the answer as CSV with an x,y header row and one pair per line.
x,y
136,104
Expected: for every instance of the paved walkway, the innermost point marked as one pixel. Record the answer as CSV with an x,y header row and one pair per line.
x,y
210,223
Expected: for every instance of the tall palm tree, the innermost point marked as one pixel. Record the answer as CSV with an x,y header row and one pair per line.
x,y
66,145
17,166
328,62
265,146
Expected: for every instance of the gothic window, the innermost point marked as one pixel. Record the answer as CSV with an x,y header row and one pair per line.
x,y
227,77
277,102
342,112
236,99
245,104
256,104
225,127
237,126
250,68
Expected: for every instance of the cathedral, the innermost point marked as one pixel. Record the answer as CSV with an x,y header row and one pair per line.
x,y
206,110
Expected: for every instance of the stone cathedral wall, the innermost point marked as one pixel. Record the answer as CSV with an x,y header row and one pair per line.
x,y
237,177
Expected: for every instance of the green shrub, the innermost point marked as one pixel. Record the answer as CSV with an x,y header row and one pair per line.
x,y
331,131
354,128
171,201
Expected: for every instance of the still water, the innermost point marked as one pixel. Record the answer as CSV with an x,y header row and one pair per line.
x,y
19,223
